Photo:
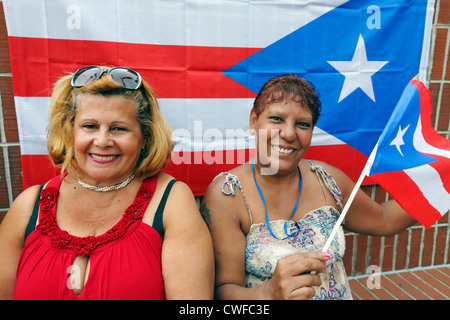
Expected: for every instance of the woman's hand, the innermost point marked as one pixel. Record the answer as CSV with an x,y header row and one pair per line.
x,y
292,278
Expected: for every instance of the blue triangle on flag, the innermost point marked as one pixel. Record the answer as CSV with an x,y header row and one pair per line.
x,y
392,32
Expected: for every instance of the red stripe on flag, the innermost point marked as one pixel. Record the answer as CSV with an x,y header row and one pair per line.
x,y
173,71
442,165
400,186
430,135
197,173
342,156
37,169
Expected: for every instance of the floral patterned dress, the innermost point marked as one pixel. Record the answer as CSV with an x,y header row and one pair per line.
x,y
311,233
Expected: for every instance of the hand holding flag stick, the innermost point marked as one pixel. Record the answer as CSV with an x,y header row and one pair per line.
x,y
410,161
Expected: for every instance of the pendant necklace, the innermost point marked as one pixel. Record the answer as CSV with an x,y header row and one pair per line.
x,y
106,188
265,206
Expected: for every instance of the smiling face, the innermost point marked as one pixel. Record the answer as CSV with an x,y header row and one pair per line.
x,y
283,132
107,138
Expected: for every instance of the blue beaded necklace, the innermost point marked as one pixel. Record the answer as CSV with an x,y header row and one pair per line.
x,y
265,206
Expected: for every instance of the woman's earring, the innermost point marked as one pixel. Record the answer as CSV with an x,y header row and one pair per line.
x,y
252,132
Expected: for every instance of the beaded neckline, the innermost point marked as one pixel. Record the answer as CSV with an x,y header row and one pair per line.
x,y
84,245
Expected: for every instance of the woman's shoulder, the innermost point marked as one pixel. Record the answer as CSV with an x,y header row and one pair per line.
x,y
339,177
25,200
178,186
317,164
226,200
179,194
164,179
227,183
20,211
181,209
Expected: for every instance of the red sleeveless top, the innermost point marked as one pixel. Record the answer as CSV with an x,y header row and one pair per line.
x,y
125,262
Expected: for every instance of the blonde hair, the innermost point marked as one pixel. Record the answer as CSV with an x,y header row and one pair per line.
x,y
63,107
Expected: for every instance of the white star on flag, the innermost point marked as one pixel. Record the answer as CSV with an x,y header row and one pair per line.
x,y
358,71
398,140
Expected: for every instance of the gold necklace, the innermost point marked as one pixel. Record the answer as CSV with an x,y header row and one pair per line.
x,y
106,188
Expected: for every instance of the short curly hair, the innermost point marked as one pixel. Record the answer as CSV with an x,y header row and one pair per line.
x,y
63,107
289,87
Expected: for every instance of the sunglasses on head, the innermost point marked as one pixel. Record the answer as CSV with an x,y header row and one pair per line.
x,y
127,78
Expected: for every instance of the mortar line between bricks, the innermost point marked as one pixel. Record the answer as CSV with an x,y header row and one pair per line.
x,y
400,288
367,289
440,281
426,283
415,287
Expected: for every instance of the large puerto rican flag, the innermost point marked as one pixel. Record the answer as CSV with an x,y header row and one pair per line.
x,y
208,59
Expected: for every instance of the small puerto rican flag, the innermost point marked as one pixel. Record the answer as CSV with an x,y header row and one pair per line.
x,y
412,162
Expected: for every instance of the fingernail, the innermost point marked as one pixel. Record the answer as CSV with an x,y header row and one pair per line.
x,y
326,255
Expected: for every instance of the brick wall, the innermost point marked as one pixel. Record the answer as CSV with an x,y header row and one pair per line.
x,y
10,164
415,247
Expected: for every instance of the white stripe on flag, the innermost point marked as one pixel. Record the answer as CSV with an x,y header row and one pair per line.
x,y
218,114
430,184
32,121
214,23
422,146
196,123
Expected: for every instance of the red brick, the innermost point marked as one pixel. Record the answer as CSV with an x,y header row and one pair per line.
x,y
348,253
2,214
388,255
425,288
393,289
4,202
434,89
380,195
447,71
381,293
375,249
427,253
444,218
442,289
9,111
402,243
5,63
416,241
442,274
367,190
439,255
360,290
15,163
439,54
407,287
444,115
361,251
444,12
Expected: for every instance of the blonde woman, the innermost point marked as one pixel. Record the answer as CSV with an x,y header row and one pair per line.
x,y
111,226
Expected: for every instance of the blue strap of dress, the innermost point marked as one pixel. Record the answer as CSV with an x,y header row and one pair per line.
x,y
265,206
